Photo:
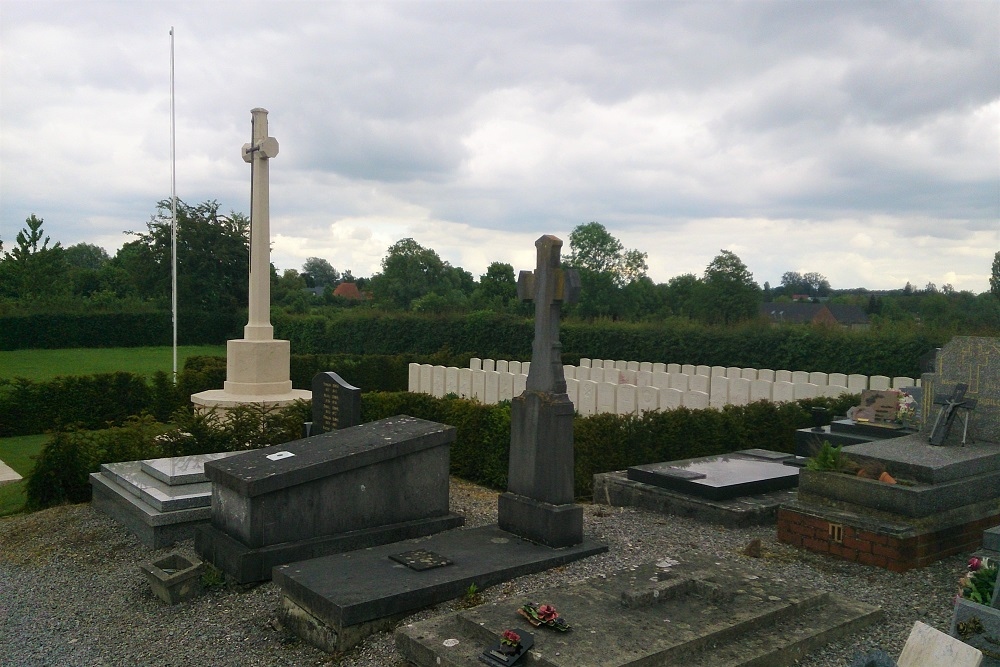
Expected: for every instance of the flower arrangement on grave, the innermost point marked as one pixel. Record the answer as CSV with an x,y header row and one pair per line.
x,y
510,642
979,582
907,410
543,614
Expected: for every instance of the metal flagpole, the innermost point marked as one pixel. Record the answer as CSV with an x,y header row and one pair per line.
x,y
173,206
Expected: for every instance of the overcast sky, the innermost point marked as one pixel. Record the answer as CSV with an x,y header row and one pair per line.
x,y
860,140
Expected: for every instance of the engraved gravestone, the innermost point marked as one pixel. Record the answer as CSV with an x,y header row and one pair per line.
x,y
335,403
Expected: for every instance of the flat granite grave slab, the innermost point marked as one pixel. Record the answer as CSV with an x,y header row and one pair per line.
x,y
617,490
131,476
152,508
336,601
178,470
664,613
741,473
913,457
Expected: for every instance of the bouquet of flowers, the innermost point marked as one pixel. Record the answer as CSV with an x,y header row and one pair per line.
x,y
907,407
980,581
543,614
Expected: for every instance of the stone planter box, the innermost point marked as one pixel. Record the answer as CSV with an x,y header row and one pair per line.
x,y
986,636
175,577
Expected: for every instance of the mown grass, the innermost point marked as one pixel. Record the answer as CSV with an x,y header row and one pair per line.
x,y
47,364
18,453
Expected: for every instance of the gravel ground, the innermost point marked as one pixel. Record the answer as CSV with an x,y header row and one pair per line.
x,y
71,592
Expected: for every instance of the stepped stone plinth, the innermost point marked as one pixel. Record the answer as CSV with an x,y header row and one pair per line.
x,y
160,501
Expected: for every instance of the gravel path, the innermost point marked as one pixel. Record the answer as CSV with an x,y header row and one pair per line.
x,y
71,593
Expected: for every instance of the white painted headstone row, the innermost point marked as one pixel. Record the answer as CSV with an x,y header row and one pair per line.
x,y
633,388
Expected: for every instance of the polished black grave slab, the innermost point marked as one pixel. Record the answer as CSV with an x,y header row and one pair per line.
x,y
742,473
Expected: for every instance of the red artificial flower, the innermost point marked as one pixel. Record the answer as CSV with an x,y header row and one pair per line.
x,y
547,612
510,637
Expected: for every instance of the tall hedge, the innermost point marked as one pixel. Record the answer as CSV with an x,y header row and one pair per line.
x,y
95,329
892,351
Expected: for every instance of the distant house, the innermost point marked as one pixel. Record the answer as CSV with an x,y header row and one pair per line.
x,y
348,291
852,317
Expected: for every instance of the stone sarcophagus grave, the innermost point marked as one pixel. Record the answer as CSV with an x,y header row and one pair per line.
x,y
350,489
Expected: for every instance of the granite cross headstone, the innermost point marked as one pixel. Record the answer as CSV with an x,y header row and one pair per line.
x,y
335,404
538,504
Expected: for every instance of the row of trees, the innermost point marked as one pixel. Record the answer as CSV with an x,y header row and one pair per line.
x,y
213,261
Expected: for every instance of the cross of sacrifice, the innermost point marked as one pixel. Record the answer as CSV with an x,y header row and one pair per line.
x,y
548,286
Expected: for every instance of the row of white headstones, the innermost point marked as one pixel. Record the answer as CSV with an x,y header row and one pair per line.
x,y
629,387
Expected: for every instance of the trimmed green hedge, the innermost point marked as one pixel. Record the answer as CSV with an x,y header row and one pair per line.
x,y
61,473
606,442
892,351
65,330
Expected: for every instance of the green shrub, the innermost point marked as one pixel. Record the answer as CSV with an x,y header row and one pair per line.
x,y
61,473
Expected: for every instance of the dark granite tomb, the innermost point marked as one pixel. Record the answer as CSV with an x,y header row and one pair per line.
x,y
741,473
349,489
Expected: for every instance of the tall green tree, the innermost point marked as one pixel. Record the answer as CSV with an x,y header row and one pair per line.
x,y
497,288
411,272
593,248
729,293
995,275
319,272
213,258
34,269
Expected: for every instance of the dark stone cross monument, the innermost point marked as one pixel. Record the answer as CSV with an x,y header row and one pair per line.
x,y
538,504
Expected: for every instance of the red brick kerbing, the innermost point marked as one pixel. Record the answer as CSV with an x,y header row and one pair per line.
x,y
897,554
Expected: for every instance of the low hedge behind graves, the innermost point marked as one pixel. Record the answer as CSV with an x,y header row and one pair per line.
x,y
602,442
61,472
607,442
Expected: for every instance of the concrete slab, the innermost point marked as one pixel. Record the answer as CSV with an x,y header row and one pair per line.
x,y
615,489
914,458
8,475
664,613
131,476
347,591
720,477
179,470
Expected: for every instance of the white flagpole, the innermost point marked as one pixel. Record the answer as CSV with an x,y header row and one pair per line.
x,y
173,206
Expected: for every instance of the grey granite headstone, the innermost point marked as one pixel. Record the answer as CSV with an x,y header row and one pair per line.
x,y
974,361
538,504
335,404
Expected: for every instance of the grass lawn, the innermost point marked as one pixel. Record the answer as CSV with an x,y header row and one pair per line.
x,y
47,364
17,453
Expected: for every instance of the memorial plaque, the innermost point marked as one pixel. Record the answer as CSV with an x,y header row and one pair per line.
x,y
421,559
335,404
878,407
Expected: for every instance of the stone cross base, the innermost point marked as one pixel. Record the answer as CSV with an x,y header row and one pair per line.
x,y
257,371
554,526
